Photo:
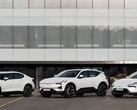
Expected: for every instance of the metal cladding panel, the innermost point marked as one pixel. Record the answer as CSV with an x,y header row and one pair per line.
x,y
6,54
84,55
36,55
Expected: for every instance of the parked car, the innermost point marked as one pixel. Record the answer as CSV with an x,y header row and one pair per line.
x,y
126,85
75,82
12,82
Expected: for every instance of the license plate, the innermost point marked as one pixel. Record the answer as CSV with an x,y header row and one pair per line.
x,y
119,89
46,89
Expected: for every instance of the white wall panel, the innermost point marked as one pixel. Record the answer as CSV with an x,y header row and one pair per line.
x,y
116,54
100,54
20,55
6,55
36,21
84,55
52,13
84,13
68,21
5,12
36,55
130,12
116,21
20,13
52,54
20,21
116,13
84,21
130,54
68,13
52,21
6,21
100,13
100,21
68,54
36,12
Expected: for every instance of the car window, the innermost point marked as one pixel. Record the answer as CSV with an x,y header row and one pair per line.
x,y
9,76
69,74
135,76
1,76
84,73
18,76
93,73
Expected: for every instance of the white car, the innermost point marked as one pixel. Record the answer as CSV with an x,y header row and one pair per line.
x,y
75,82
127,85
12,82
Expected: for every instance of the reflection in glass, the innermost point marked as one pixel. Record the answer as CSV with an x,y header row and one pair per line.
x,y
84,37
131,36
116,35
100,37
68,37
84,3
116,4
5,37
131,4
52,37
100,4
20,36
36,3
36,37
5,3
52,3
68,4
20,3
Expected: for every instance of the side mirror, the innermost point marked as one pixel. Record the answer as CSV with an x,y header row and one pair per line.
x,y
5,78
81,76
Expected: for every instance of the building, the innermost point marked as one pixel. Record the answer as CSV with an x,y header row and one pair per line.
x,y
43,37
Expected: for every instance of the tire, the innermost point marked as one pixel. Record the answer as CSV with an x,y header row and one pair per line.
x,y
102,89
45,94
118,95
79,94
69,91
27,92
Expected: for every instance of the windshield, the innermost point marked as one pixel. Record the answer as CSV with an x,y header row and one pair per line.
x,y
133,75
72,73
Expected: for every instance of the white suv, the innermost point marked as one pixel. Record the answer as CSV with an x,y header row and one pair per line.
x,y
12,82
124,86
75,82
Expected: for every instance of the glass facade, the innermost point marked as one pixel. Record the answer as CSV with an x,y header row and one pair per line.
x,y
85,36
97,4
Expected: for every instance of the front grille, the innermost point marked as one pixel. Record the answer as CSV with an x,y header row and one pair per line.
x,y
125,91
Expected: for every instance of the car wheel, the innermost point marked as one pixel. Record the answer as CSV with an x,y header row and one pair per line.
x,y
27,91
6,95
118,95
69,91
102,89
45,93
79,94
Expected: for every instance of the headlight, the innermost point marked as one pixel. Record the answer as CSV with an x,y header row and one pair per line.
x,y
64,81
131,85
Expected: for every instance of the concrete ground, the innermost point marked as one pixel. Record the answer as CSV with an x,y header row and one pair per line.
x,y
57,102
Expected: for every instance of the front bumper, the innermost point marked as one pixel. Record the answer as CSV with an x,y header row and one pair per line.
x,y
51,87
125,90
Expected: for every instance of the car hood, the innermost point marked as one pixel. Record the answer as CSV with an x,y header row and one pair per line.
x,y
55,80
124,82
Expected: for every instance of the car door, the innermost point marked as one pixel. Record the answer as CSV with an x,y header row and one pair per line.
x,y
83,82
8,84
18,81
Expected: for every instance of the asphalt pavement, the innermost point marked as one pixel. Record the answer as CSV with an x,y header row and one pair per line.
x,y
58,102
